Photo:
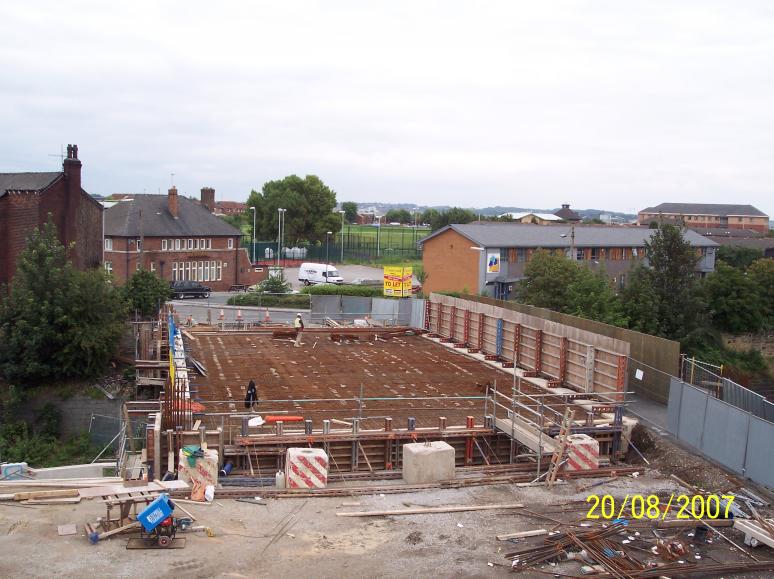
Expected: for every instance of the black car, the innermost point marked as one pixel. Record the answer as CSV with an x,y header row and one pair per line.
x,y
183,289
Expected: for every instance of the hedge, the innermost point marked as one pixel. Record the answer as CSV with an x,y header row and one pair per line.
x,y
296,301
329,289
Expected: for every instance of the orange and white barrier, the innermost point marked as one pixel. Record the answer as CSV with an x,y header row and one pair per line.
x,y
306,468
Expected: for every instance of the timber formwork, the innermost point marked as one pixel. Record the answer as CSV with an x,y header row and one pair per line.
x,y
388,386
565,356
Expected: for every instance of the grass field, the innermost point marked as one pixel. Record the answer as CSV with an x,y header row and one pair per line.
x,y
390,236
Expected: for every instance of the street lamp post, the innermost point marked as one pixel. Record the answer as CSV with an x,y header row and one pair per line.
x,y
573,257
327,239
342,234
253,210
279,233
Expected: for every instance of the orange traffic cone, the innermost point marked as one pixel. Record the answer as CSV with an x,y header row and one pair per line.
x,y
239,315
267,317
221,316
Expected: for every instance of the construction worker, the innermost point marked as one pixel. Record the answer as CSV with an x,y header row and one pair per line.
x,y
252,395
298,324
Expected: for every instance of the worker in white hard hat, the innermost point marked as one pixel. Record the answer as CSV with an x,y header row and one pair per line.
x,y
298,324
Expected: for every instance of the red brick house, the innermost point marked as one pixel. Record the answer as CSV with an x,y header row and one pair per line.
x,y
221,207
27,199
704,215
179,239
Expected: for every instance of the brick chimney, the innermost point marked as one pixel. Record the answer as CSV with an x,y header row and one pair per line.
x,y
71,167
208,198
172,201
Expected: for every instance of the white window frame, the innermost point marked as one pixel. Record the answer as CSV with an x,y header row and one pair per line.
x,y
153,266
138,245
196,243
220,270
137,266
231,243
209,243
201,270
202,243
174,271
109,267
108,244
190,244
163,245
177,245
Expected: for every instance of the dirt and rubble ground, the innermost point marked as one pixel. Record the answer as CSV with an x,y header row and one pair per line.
x,y
303,537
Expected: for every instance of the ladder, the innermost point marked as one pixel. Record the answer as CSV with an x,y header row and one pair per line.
x,y
564,441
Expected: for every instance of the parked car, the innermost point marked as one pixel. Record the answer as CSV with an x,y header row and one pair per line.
x,y
183,289
313,273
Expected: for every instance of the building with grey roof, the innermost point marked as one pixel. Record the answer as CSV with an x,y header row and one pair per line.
x,y
490,257
179,239
29,200
701,215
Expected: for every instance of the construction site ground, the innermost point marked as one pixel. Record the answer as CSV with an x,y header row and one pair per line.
x,y
304,537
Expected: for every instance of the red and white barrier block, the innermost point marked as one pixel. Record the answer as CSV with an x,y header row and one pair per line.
x,y
306,468
582,452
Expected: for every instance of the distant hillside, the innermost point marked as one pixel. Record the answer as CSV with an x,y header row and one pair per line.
x,y
490,211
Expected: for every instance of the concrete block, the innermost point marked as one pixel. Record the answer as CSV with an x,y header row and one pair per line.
x,y
582,452
306,468
427,462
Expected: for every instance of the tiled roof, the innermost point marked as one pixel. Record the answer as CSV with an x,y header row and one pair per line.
x,y
551,236
721,209
123,219
26,181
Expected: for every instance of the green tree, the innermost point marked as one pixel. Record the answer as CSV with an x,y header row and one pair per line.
x,y
733,300
309,203
350,211
640,301
56,321
672,261
451,216
591,296
429,216
555,282
739,257
761,273
145,292
546,281
398,215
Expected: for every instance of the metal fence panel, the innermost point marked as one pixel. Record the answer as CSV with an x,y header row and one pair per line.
x,y
355,307
693,407
759,465
385,310
725,434
325,307
417,314
405,308
673,409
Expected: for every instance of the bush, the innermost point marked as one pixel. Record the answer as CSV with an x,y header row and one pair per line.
x,y
329,289
274,285
17,444
296,301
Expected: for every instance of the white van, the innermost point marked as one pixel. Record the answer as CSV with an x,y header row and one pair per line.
x,y
312,273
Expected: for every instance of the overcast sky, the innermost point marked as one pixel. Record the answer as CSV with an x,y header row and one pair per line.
x,y
615,105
